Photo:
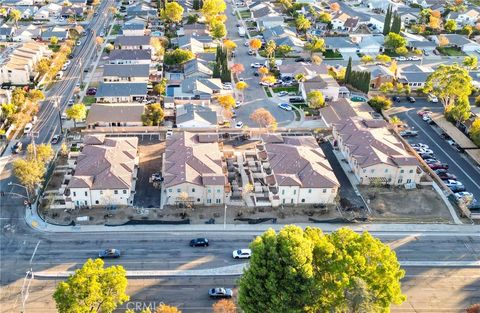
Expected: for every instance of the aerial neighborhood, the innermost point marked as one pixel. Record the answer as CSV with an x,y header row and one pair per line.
x,y
241,112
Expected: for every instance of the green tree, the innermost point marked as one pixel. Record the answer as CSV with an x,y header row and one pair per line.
x,y
383,58
450,26
8,109
93,289
348,71
474,131
192,18
53,40
449,83
396,24
470,62
270,48
284,50
315,99
388,21
308,271
77,112
302,23
459,112
178,56
394,41
316,44
173,12
42,153
325,17
15,16
218,30
161,87
401,50
212,8
153,115
379,103
29,173
386,87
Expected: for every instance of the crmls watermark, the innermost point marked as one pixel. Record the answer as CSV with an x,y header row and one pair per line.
x,y
137,306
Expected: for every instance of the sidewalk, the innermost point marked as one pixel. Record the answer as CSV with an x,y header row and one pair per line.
x,y
34,221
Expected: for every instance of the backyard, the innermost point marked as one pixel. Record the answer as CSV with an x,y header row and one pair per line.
x,y
332,54
450,51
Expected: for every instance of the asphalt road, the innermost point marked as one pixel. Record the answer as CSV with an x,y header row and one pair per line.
x,y
465,171
255,96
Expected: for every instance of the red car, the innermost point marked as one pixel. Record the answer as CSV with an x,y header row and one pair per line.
x,y
438,166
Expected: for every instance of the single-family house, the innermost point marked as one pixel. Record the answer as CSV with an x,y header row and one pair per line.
x,y
373,153
379,74
121,73
195,29
324,83
141,9
135,29
197,68
194,170
195,88
414,75
133,43
105,172
338,20
343,109
72,12
469,17
195,116
458,41
341,44
6,32
61,33
310,70
121,92
190,43
27,33
115,114
130,57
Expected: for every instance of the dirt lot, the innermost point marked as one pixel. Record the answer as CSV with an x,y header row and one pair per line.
x,y
400,205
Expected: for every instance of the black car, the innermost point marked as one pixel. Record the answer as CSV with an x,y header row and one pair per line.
x,y
217,293
444,175
55,139
426,156
199,242
109,253
396,99
457,188
296,100
256,74
17,147
409,133
411,99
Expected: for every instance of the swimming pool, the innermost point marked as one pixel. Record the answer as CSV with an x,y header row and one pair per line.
x,y
358,99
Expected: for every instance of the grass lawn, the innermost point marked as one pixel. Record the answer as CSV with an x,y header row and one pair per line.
x,y
88,100
116,29
287,89
331,54
450,51
245,14
391,53
251,24
267,91
54,48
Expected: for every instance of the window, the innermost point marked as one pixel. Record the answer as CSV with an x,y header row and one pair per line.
x,y
294,192
402,171
386,170
411,171
209,200
124,191
86,194
209,190
409,181
309,190
217,200
372,170
96,201
303,200
179,190
74,194
116,192
400,181
193,189
283,191
170,190
86,203
324,190
198,199
218,190
101,192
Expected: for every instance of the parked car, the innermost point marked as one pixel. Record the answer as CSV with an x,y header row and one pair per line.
x,y
409,133
426,156
282,93
55,139
296,100
28,128
251,52
109,254
396,99
199,242
455,186
285,106
169,133
463,194
432,98
91,91
70,102
420,145
17,147
432,161
239,124
242,254
217,293
423,112
256,65
438,166
411,99
445,175
256,74
266,84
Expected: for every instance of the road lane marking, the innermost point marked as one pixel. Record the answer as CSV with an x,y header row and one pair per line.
x,y
34,251
446,154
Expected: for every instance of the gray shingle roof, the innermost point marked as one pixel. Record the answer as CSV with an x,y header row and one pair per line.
x,y
132,40
196,112
130,70
130,55
121,89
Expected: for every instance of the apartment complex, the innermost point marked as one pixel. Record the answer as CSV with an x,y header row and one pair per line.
x,y
374,154
105,172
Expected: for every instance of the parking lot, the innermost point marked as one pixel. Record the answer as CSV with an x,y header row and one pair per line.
x,y
150,151
458,164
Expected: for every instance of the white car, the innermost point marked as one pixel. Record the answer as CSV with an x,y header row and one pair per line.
x,y
239,124
28,128
401,59
169,133
256,65
238,103
79,43
265,84
420,145
432,98
463,194
242,254
282,94
427,151
251,52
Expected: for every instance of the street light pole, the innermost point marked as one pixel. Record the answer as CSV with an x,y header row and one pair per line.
x,y
225,217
